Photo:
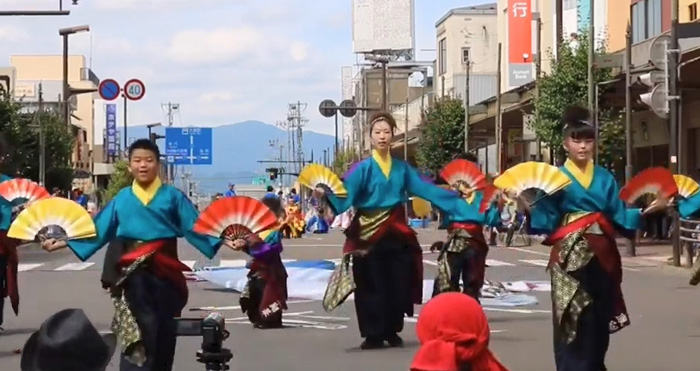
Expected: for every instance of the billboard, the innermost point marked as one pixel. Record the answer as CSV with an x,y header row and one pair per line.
x,y
520,66
382,25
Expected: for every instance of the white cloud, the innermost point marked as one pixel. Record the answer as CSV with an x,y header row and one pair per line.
x,y
298,51
13,34
214,46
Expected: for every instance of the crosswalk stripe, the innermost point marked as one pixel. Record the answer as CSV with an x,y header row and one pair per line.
x,y
498,263
75,266
27,267
537,262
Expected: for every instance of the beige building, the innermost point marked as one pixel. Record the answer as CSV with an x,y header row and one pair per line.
x,y
467,34
31,71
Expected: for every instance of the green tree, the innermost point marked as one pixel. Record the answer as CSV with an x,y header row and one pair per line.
x,y
344,158
20,144
120,178
442,134
567,85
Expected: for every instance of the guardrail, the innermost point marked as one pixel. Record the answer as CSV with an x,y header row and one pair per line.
x,y
687,228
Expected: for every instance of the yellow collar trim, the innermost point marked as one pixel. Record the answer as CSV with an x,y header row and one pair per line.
x,y
145,195
585,178
384,163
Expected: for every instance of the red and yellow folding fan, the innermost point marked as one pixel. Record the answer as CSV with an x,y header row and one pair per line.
x,y
654,180
313,175
234,217
490,194
464,171
52,217
532,176
687,187
21,190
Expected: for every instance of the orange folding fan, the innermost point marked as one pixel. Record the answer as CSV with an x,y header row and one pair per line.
x,y
490,195
465,171
655,180
235,217
23,190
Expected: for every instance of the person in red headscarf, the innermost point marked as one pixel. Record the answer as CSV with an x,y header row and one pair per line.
x,y
454,336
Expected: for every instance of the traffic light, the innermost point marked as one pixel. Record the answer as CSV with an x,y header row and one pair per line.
x,y
273,172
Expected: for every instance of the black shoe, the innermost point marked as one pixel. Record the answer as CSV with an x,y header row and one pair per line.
x,y
395,341
369,344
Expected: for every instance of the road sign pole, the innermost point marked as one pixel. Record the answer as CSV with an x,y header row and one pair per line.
x,y
126,138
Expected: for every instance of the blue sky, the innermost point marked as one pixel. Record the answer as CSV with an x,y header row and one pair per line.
x,y
224,61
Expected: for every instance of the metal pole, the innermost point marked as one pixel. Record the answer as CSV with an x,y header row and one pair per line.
x,y
629,167
538,74
42,139
559,9
498,114
674,119
335,149
595,122
591,56
66,87
385,86
467,66
126,145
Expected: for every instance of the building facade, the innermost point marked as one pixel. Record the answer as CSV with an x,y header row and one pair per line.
x,y
465,37
46,71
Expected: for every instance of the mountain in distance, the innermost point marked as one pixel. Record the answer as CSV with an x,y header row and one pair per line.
x,y
236,150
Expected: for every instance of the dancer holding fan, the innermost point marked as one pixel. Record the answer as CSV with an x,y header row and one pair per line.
x,y
464,253
578,207
141,268
15,194
252,227
387,269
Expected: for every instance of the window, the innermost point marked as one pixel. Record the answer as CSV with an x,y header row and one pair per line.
x,y
693,12
442,49
465,55
570,4
646,20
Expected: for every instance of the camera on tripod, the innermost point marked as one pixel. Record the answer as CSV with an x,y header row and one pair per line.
x,y
212,329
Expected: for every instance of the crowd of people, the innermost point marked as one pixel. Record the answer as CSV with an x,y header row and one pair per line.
x,y
382,261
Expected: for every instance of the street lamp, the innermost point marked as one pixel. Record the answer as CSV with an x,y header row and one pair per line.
x,y
64,33
151,126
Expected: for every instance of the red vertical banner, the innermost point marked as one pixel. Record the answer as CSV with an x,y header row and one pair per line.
x,y
519,31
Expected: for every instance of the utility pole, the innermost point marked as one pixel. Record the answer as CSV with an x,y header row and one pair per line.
x,y
591,60
674,119
171,107
559,9
629,167
42,138
499,128
538,74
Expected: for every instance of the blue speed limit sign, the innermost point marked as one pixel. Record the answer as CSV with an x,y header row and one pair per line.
x,y
134,89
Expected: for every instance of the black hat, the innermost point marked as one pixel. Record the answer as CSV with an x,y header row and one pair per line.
x,y
68,341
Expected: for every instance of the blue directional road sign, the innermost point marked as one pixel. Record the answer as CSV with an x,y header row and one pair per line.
x,y
188,146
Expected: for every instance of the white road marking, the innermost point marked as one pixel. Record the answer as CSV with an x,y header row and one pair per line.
x,y
519,311
235,263
537,262
430,262
75,266
237,307
498,263
529,251
27,267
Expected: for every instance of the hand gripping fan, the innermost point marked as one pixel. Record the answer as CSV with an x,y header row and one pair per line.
x,y
421,207
21,190
464,171
314,175
532,176
654,180
490,195
687,187
234,217
53,217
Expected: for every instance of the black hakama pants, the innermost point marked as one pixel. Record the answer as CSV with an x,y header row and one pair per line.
x,y
155,303
587,352
462,267
383,280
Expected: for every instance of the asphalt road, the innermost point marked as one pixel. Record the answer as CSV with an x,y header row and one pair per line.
x,y
664,335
